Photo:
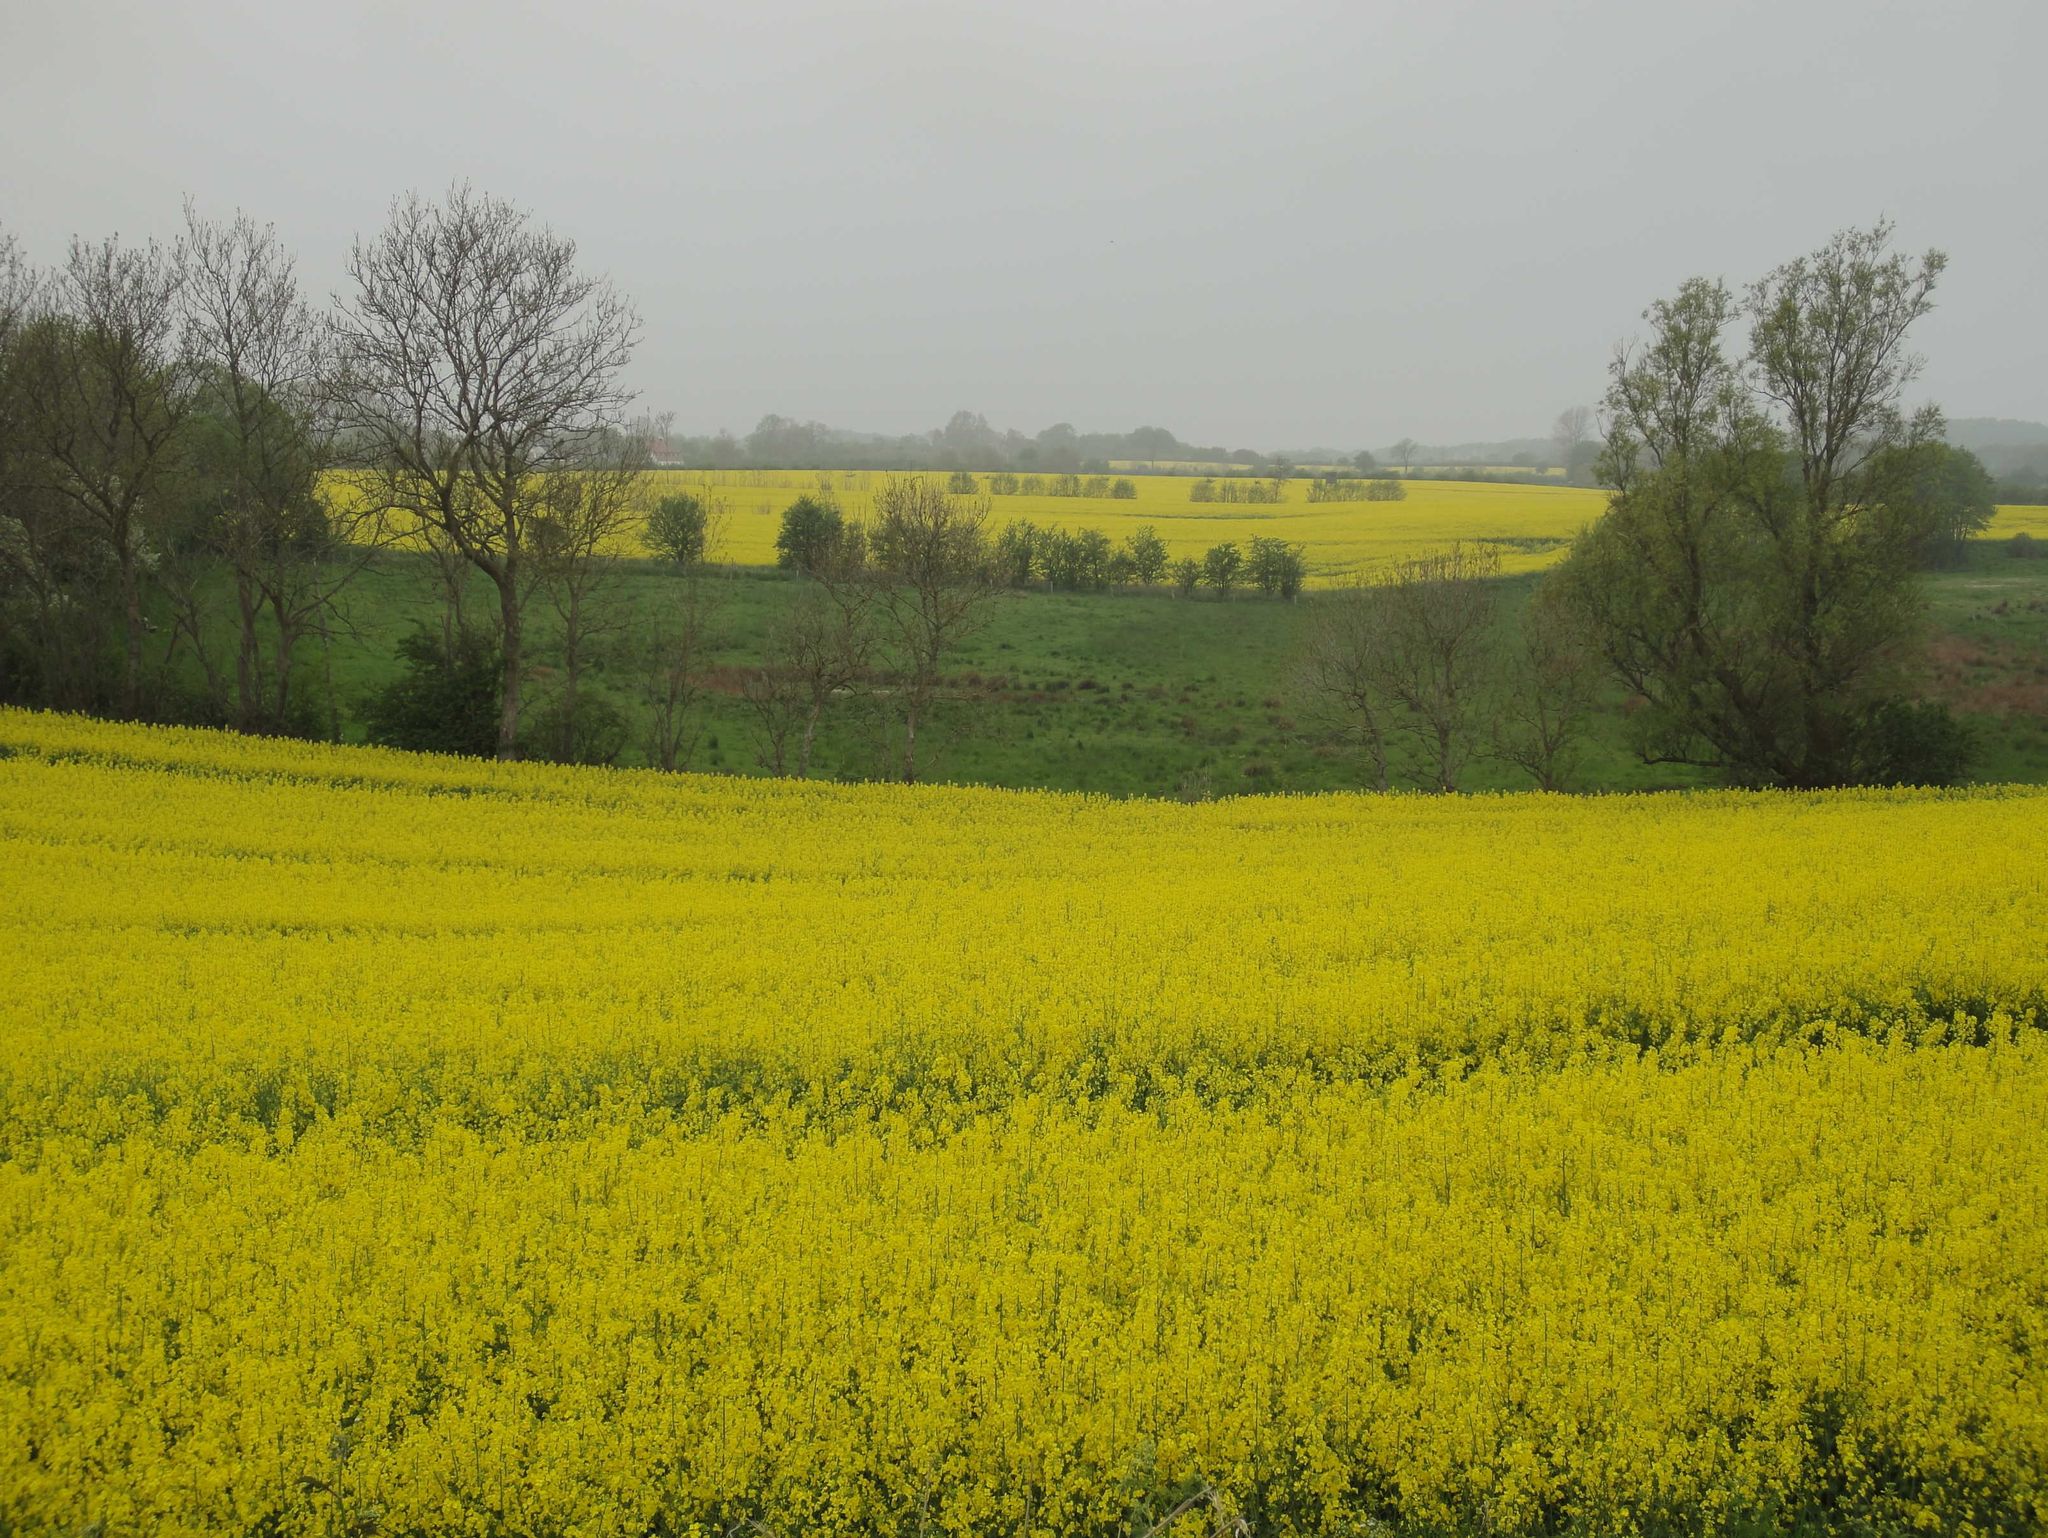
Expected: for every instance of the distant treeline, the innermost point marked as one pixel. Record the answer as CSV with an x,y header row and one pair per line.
x,y
1007,483
966,442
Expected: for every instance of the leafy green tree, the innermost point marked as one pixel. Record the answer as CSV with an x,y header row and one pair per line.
x,y
1221,567
1753,582
1016,552
1148,554
1959,497
677,530
1276,567
811,528
1094,551
1187,576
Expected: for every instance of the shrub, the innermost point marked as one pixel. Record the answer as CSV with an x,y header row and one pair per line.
x,y
676,530
2022,546
597,735
810,528
445,697
1913,742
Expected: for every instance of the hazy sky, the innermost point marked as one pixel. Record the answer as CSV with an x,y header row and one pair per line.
x,y
1275,224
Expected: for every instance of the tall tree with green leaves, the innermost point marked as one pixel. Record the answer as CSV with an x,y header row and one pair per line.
x,y
1752,583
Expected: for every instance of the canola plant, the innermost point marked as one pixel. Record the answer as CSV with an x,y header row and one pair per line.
x,y
404,1145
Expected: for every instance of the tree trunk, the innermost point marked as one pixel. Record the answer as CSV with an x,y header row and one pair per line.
x,y
131,609
248,656
572,674
803,756
287,646
910,743
508,691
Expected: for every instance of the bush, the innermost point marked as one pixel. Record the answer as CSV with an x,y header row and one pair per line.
x,y
597,735
1913,742
445,698
810,530
961,484
1385,489
676,530
2023,546
1221,566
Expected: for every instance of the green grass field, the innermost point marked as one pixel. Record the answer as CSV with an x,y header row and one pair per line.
x,y
1146,694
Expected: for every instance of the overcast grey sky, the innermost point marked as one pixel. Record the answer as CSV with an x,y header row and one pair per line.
x,y
1273,224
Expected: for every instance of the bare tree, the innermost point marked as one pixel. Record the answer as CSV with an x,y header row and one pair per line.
x,y
1572,429
19,283
829,645
1345,669
935,583
1552,679
678,655
1441,617
105,388
1405,452
291,539
480,366
588,513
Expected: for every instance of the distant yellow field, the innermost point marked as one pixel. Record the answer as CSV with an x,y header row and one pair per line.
x,y
1340,536
1529,525
2019,520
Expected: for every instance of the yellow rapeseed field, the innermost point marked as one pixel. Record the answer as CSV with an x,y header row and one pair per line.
x,y
1530,522
401,1145
1529,527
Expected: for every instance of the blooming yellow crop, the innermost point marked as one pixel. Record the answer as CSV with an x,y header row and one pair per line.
x,y
1531,524
392,1144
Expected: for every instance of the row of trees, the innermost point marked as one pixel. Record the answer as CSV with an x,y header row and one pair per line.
x,y
167,414
816,537
966,442
182,422
1006,483
1233,490
1338,488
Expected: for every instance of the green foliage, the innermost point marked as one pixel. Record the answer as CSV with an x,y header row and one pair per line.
x,y
1276,567
677,530
1187,575
1148,555
596,733
1239,490
1753,582
961,483
1016,552
444,698
811,529
1221,567
1913,742
1386,489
